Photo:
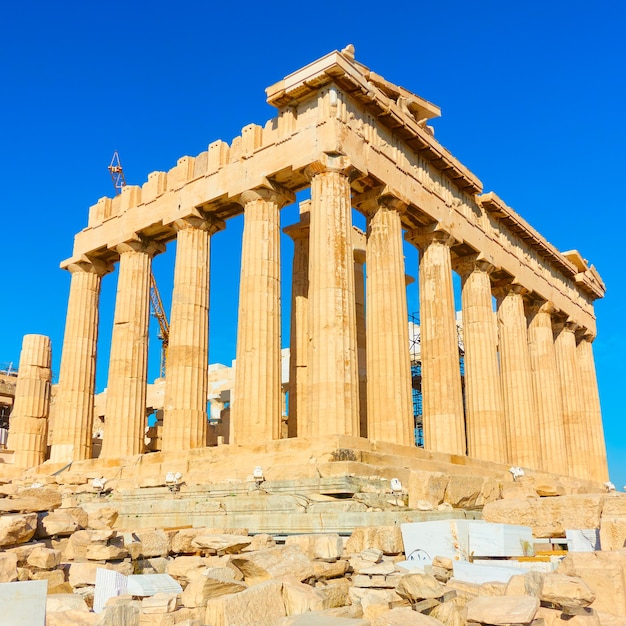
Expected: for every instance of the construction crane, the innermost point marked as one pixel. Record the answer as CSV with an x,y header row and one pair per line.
x,y
119,182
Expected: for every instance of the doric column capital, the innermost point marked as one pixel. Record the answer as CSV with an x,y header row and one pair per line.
x,y
270,192
537,305
370,201
206,222
141,244
503,289
421,238
332,163
90,266
465,265
584,334
565,325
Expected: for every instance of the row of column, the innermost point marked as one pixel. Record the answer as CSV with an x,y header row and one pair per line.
x,y
514,409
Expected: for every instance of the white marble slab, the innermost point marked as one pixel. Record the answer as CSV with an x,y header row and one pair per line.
x,y
23,603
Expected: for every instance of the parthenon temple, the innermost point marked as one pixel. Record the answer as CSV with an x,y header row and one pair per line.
x,y
527,395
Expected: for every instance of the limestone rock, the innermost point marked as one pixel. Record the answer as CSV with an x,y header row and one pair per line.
x,y
548,517
503,610
212,583
374,602
44,558
183,567
181,541
102,518
281,562
55,578
108,552
59,522
120,614
73,616
32,501
159,603
8,567
17,528
261,605
325,547
65,602
324,618
380,581
417,586
428,487
566,591
463,491
301,598
404,616
587,617
613,522
260,542
220,543
388,539
336,591
153,565
324,570
453,613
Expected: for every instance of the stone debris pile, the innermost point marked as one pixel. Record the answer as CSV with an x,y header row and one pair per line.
x,y
221,577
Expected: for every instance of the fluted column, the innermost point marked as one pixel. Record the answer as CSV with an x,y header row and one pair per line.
x,y
125,423
28,435
73,421
333,393
442,403
299,346
522,425
547,388
361,333
486,436
593,416
256,408
389,401
186,381
576,431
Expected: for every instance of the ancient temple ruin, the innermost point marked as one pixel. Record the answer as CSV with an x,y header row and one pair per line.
x,y
360,143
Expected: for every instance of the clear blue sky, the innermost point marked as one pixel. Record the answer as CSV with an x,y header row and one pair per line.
x,y
532,98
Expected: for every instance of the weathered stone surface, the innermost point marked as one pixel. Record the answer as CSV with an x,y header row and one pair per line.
x,y
102,518
59,522
336,591
212,583
284,562
44,558
453,613
17,528
183,567
325,547
32,501
152,542
463,491
182,540
324,570
404,616
419,586
159,603
382,581
153,565
554,617
220,543
260,542
566,591
548,517
324,618
261,605
503,610
427,487
8,567
84,574
301,598
492,589
72,616
360,566
374,602
110,552
388,539
65,602
613,522
120,614
55,578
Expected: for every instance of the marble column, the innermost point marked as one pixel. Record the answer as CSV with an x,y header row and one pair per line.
x,y
593,415
574,418
333,392
442,397
361,333
486,435
389,401
28,435
186,381
297,423
547,388
256,408
125,420
522,425
73,421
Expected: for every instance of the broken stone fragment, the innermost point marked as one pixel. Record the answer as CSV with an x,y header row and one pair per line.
x,y
281,562
212,583
404,616
220,543
17,528
566,591
417,586
44,558
502,610
324,547
8,567
388,539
